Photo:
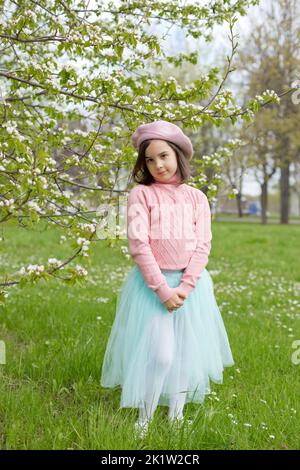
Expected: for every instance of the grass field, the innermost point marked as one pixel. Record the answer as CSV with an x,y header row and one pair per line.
x,y
56,335
273,218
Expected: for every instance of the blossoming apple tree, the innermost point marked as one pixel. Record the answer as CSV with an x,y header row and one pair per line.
x,y
65,63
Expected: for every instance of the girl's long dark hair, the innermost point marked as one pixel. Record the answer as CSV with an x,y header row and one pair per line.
x,y
140,173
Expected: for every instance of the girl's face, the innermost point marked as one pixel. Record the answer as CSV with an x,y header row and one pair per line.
x,y
160,160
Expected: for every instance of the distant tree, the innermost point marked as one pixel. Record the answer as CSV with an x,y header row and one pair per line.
x,y
272,61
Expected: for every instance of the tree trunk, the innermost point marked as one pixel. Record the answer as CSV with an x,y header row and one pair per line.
x,y
264,201
284,192
239,205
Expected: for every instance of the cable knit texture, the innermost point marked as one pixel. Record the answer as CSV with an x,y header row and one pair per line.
x,y
169,227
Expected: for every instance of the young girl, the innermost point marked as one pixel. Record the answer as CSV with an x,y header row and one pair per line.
x,y
168,338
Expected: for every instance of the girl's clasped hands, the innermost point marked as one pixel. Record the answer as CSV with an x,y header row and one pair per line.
x,y
176,301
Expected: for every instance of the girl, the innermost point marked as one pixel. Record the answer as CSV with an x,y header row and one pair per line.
x,y
168,338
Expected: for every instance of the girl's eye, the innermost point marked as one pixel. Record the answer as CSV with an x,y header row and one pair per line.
x,y
150,159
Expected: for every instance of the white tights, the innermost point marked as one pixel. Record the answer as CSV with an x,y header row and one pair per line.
x,y
162,349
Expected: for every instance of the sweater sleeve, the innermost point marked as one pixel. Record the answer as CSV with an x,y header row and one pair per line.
x,y
138,228
199,258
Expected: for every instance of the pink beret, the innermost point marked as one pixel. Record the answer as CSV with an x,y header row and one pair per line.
x,y
163,130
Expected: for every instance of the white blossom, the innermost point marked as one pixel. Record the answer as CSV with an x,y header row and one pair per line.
x,y
32,269
54,262
80,271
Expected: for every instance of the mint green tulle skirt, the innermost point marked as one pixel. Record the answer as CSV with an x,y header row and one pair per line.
x,y
152,350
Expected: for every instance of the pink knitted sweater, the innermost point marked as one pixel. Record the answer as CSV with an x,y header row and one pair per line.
x,y
169,227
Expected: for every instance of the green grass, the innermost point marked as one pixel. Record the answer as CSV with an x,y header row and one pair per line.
x,y
273,218
56,336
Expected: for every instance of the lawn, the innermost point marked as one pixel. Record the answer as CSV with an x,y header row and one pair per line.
x,y
55,337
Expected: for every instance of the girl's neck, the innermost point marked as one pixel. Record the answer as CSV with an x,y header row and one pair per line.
x,y
174,180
